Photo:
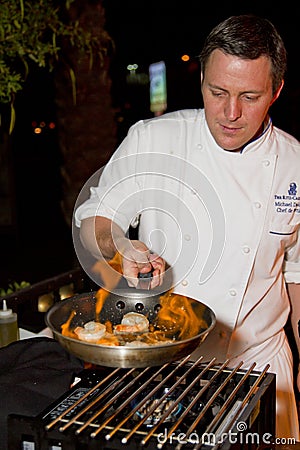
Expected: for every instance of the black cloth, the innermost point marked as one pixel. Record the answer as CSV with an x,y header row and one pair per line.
x,y
33,373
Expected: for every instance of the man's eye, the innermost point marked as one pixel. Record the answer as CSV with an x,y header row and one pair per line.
x,y
251,98
217,93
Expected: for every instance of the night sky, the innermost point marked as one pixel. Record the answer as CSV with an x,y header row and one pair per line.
x,y
150,31
147,32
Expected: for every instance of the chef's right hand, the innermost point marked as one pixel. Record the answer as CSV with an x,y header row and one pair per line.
x,y
136,259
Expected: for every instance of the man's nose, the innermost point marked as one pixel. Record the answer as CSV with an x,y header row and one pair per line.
x,y
233,109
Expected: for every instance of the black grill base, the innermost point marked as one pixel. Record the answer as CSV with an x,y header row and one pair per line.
x,y
29,433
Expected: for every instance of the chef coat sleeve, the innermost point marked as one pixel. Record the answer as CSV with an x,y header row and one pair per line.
x,y
117,195
291,266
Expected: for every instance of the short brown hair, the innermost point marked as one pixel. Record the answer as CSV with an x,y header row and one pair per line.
x,y
248,37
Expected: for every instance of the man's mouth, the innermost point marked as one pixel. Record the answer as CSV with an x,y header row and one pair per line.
x,y
230,130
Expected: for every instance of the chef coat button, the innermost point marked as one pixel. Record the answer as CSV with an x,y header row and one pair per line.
x,y
257,205
266,162
187,237
232,292
246,249
184,283
199,146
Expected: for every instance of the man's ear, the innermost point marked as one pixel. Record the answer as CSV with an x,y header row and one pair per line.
x,y
277,93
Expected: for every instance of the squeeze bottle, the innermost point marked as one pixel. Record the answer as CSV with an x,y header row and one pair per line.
x,y
9,330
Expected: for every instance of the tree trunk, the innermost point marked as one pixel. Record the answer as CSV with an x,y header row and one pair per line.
x,y
87,129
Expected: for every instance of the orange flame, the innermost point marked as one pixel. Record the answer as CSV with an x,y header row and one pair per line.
x,y
111,274
176,317
65,327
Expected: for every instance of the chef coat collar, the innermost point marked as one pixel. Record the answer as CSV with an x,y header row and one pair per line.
x,y
266,126
250,146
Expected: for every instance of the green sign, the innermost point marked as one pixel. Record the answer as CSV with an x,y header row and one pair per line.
x,y
158,87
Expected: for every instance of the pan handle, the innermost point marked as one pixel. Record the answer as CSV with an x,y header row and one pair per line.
x,y
144,280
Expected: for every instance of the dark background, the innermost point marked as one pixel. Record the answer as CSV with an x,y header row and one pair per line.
x,y
147,32
39,243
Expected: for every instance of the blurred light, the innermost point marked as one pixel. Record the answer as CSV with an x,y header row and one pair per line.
x,y
185,58
66,291
39,127
45,301
158,87
132,67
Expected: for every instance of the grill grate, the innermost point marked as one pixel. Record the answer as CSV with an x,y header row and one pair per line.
x,y
171,406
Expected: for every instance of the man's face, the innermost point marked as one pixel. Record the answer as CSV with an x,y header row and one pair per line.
x,y
237,95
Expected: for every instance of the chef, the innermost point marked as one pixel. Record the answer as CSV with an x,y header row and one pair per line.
x,y
215,193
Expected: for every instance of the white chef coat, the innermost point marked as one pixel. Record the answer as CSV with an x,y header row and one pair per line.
x,y
226,223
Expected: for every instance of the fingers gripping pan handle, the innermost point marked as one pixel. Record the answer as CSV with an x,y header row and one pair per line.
x,y
144,280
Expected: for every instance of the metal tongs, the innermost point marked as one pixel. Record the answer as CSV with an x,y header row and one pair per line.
x,y
144,280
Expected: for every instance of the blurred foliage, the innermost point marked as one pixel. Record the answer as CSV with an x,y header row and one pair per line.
x,y
34,33
13,287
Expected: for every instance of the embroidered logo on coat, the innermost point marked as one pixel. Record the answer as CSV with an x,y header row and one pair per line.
x,y
288,203
293,189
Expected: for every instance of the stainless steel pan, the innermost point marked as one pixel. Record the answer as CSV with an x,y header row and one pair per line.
x,y
115,306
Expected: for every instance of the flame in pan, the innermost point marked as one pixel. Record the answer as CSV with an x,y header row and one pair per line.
x,y
111,274
66,327
176,317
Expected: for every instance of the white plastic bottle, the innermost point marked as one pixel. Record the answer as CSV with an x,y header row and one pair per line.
x,y
9,329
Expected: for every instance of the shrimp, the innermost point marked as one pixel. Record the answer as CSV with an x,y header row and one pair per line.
x,y
91,332
132,323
